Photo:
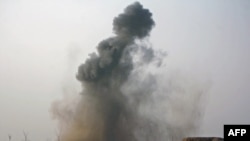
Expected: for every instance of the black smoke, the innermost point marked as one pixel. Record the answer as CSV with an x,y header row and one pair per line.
x,y
119,100
112,60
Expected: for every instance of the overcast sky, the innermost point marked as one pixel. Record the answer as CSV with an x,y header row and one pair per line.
x,y
43,42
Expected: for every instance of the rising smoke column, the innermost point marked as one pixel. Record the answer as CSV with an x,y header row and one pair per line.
x,y
120,101
103,113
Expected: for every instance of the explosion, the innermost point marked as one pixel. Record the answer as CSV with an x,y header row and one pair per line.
x,y
122,99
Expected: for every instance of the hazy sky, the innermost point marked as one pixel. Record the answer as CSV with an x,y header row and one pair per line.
x,y
43,42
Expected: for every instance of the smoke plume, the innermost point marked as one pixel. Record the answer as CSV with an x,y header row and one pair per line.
x,y
124,97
